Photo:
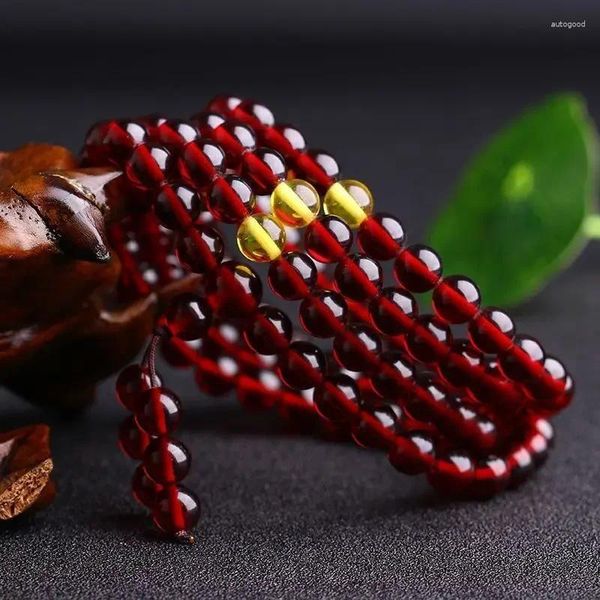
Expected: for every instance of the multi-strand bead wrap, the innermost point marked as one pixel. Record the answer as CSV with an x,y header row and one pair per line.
x,y
470,413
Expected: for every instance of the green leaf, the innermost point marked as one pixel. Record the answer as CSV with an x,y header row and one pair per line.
x,y
518,215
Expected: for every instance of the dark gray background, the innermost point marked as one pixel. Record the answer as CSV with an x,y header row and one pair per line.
x,y
403,95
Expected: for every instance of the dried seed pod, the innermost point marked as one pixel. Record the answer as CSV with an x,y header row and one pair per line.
x,y
25,468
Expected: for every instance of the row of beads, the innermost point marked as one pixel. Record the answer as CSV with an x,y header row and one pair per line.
x,y
456,299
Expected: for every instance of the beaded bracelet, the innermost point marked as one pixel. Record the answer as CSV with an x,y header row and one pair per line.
x,y
224,170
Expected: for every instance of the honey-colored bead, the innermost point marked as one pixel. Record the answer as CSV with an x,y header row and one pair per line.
x,y
295,202
350,200
261,238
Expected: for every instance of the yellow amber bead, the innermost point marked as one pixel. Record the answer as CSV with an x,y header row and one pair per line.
x,y
295,202
350,200
261,238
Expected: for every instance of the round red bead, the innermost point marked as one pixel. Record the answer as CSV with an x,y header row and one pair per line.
x,y
160,413
418,268
131,383
328,239
394,311
381,236
358,277
145,491
322,314
200,248
302,366
166,461
337,399
456,299
492,331
293,275
270,332
177,510
188,317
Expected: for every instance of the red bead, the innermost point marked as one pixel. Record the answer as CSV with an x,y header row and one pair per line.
x,y
322,314
160,413
234,137
520,465
253,395
358,277
177,510
328,239
293,275
263,169
413,453
145,491
394,311
318,167
455,367
395,377
166,461
200,249
176,206
175,133
294,139
258,113
200,162
188,317
516,363
234,290
490,477
428,340
492,331
357,348
230,199
148,167
418,268
132,440
377,427
452,474
337,399
456,299
302,366
381,236
211,379
131,383
270,332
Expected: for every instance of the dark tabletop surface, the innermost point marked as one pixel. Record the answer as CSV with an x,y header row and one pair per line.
x,y
293,516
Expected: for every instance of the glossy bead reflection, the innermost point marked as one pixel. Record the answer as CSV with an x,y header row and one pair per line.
x,y
271,332
394,311
337,399
160,413
359,277
293,275
492,331
328,239
418,268
381,236
322,313
295,202
349,200
456,299
302,366
230,199
131,383
188,317
166,461
261,238
145,491
176,510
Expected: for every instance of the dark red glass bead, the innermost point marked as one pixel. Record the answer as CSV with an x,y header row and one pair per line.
x,y
293,136
173,353
452,474
456,299
200,248
455,366
145,491
418,268
234,289
358,277
394,311
544,427
230,199
121,137
270,332
381,236
160,413
302,366
395,376
337,399
211,379
537,445
253,395
133,441
328,239
516,362
148,167
200,162
412,454
234,137
166,461
177,205
176,132
490,477
259,113
323,313
430,401
318,167
492,331
377,426
188,317
263,169
357,348
293,275
131,383
520,464
177,510
429,340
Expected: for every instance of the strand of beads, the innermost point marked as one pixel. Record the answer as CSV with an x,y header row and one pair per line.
x,y
521,358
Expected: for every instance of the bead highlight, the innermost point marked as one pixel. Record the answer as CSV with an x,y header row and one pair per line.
x,y
295,202
350,200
